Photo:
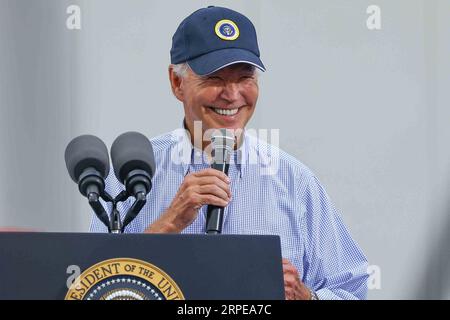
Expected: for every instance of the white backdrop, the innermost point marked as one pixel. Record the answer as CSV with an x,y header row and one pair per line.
x,y
366,110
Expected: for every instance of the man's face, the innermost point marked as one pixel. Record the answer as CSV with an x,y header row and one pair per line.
x,y
224,99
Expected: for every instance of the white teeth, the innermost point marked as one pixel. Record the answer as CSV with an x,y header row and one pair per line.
x,y
226,112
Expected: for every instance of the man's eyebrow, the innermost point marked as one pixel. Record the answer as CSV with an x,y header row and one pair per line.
x,y
209,76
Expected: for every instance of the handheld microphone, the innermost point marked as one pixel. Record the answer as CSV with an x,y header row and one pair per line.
x,y
87,162
134,165
223,142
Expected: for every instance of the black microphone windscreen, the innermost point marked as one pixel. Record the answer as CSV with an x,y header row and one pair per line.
x,y
84,152
131,151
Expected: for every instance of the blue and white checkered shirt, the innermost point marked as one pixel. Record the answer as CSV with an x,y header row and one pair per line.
x,y
273,194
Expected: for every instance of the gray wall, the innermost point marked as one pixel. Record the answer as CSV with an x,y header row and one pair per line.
x,y
366,110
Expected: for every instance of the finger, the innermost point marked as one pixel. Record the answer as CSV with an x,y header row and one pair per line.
x,y
212,172
290,281
290,270
289,294
215,191
215,181
286,262
213,200
293,284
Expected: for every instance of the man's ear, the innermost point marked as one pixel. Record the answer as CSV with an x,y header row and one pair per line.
x,y
176,84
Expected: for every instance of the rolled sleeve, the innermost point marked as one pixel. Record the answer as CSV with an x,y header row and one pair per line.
x,y
334,265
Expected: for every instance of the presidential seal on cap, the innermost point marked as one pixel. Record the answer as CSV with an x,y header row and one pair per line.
x,y
213,38
227,30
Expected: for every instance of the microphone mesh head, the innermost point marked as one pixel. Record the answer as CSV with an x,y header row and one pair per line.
x,y
84,152
223,142
131,151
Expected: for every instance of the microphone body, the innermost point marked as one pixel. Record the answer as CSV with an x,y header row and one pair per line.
x,y
87,162
223,145
134,165
214,214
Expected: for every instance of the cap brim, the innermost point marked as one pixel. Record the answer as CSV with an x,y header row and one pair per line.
x,y
216,60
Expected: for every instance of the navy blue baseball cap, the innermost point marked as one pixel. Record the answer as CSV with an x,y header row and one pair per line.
x,y
213,38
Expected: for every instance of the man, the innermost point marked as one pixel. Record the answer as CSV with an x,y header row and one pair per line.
x,y
214,59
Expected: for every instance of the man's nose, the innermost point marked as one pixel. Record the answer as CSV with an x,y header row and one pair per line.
x,y
231,92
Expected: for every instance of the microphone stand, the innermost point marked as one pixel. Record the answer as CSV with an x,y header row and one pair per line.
x,y
114,224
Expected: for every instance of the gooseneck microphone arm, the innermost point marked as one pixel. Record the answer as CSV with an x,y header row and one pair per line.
x,y
92,185
141,200
138,183
94,202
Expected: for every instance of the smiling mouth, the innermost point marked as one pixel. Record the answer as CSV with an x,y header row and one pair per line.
x,y
225,112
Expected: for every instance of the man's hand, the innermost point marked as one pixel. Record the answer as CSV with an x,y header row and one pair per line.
x,y
206,187
294,289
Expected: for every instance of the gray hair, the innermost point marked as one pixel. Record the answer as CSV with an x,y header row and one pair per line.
x,y
181,69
